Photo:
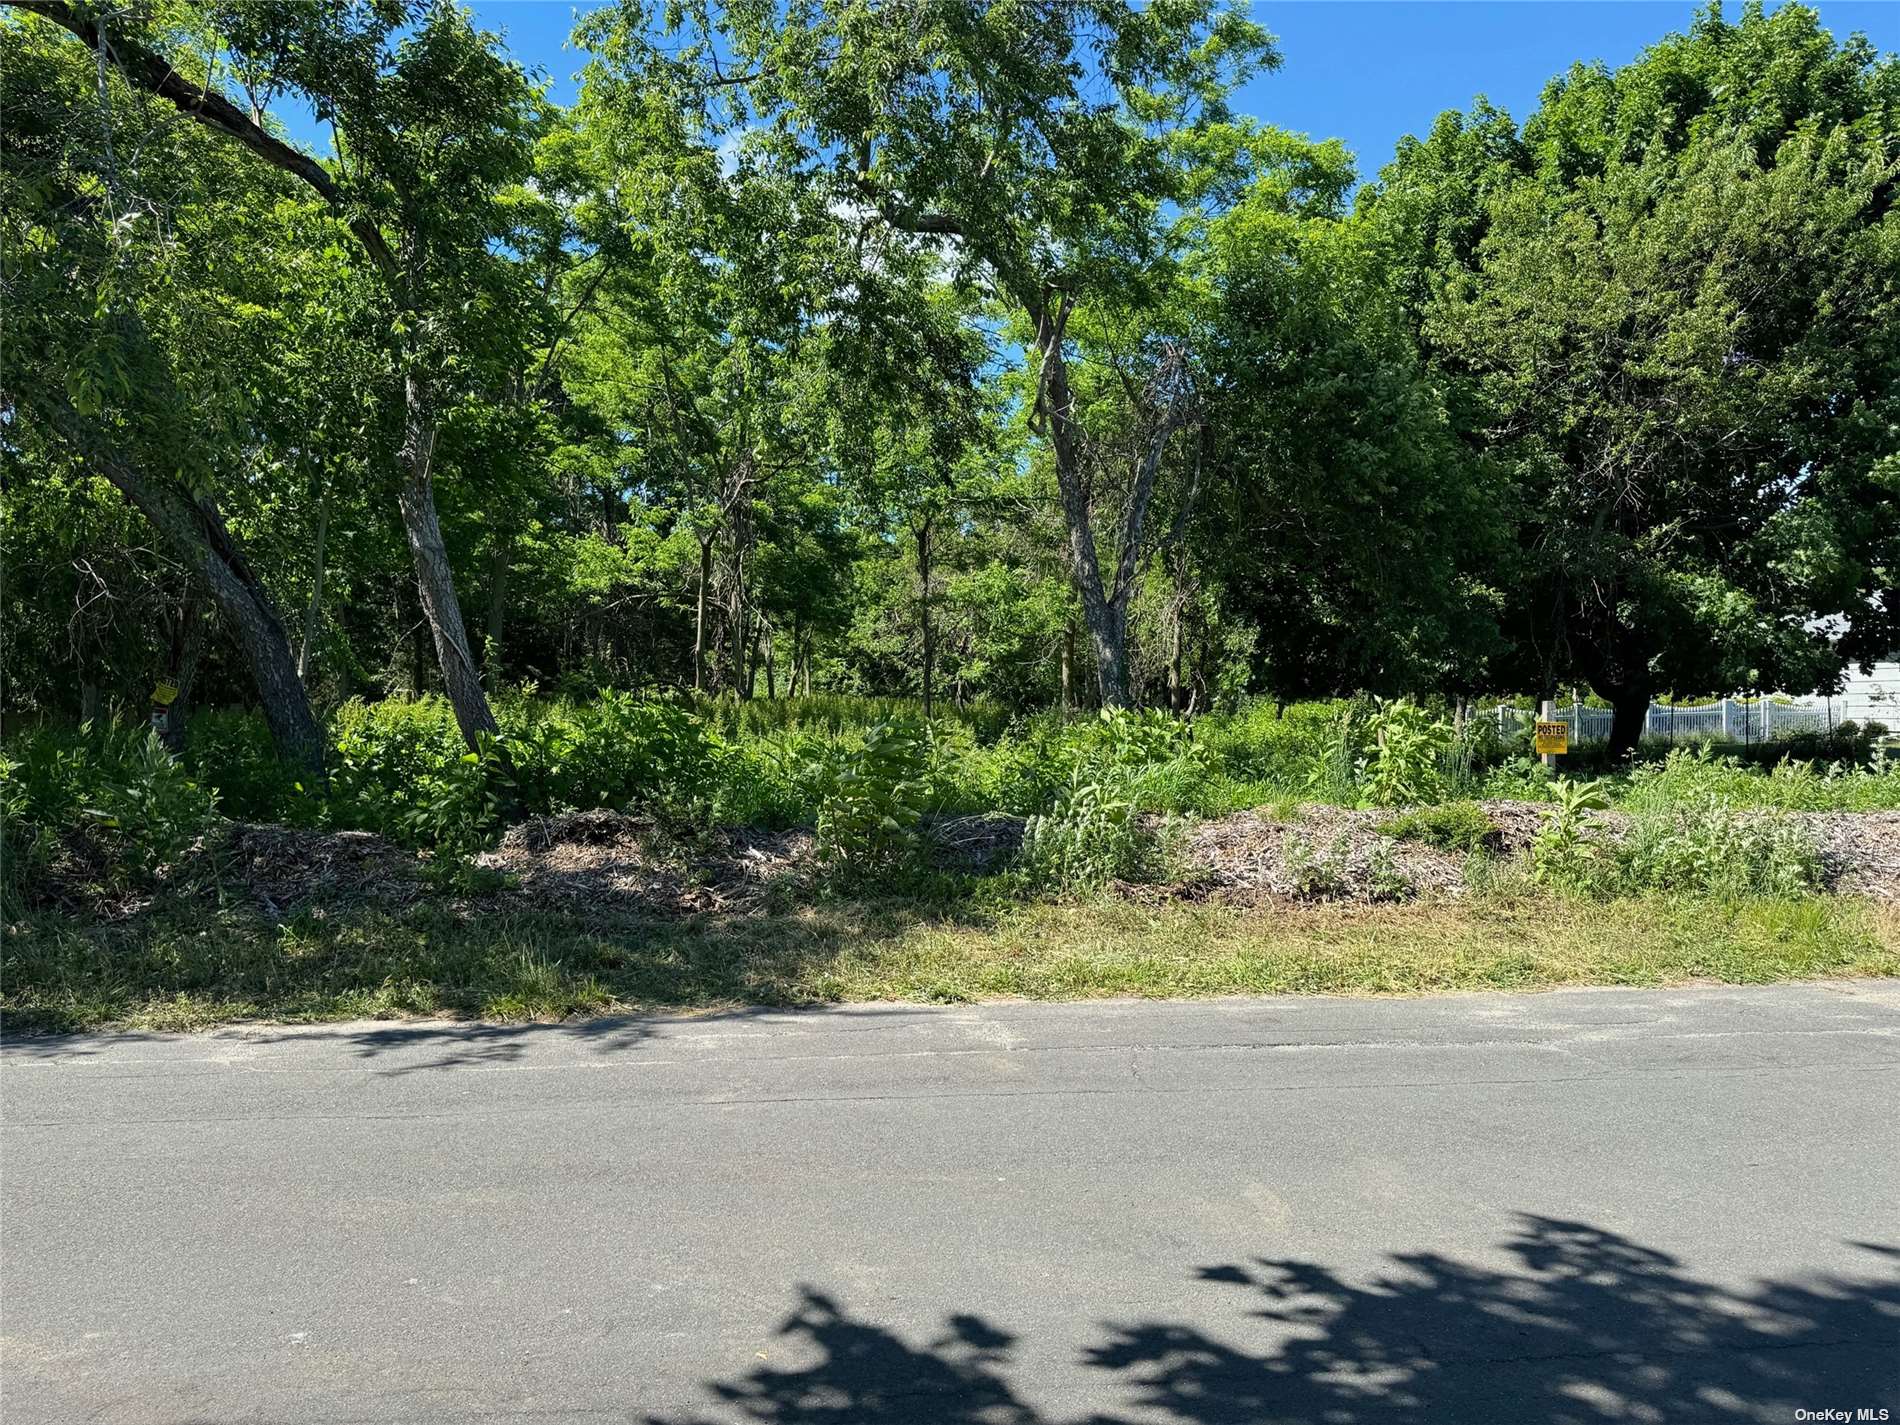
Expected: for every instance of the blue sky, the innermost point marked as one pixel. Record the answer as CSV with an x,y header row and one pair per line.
x,y
1365,71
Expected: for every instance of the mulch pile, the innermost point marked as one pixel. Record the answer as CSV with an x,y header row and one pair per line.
x,y
1860,849
1325,853
607,858
282,867
611,859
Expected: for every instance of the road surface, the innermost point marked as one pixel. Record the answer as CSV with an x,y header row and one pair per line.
x,y
1581,1206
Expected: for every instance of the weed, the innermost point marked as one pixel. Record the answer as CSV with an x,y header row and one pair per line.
x,y
1316,874
1562,856
1452,826
1092,835
868,826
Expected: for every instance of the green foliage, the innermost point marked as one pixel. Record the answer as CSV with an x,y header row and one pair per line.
x,y
1384,880
1452,826
154,808
869,824
1400,767
1562,855
1652,309
1316,873
1710,848
1384,755
1701,775
1093,834
120,794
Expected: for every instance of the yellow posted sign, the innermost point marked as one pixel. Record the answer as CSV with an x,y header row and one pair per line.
x,y
1552,739
164,695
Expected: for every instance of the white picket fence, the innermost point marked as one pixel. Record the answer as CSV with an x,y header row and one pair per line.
x,y
1730,720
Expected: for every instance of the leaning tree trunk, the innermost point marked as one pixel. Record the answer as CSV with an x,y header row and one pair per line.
x,y
195,531
435,581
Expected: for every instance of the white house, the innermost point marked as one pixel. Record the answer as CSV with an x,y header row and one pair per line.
x,y
1869,697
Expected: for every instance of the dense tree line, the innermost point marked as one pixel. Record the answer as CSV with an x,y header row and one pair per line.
x,y
961,349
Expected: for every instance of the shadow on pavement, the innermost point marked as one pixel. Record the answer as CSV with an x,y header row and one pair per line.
x,y
1584,1326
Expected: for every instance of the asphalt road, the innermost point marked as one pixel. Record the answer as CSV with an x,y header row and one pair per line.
x,y
1584,1206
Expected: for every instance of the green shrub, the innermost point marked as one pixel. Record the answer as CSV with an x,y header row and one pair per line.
x,y
616,752
1452,826
1562,856
1519,779
231,749
1713,849
135,803
1401,764
1387,755
869,823
1092,835
153,810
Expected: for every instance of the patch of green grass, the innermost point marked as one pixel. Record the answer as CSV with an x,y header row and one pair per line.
x,y
191,967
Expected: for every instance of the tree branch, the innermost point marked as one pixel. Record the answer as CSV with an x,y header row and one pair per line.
x,y
152,72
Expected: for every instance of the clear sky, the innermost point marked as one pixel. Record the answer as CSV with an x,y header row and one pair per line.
x,y
1365,71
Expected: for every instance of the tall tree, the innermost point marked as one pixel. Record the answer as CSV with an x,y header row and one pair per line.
x,y
1052,146
1674,318
132,331
431,125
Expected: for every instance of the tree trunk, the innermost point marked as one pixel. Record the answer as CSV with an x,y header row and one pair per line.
x,y
1058,406
497,610
1631,711
435,581
1068,659
196,533
765,640
313,610
923,584
1104,604
699,616
1176,694
188,646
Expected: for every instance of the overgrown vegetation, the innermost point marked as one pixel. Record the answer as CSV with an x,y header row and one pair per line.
x,y
866,418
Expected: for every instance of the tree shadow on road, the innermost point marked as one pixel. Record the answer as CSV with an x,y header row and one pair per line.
x,y
1583,1326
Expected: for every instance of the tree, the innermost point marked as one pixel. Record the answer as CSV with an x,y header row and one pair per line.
x,y
1054,148
1677,327
1351,529
430,124
124,318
